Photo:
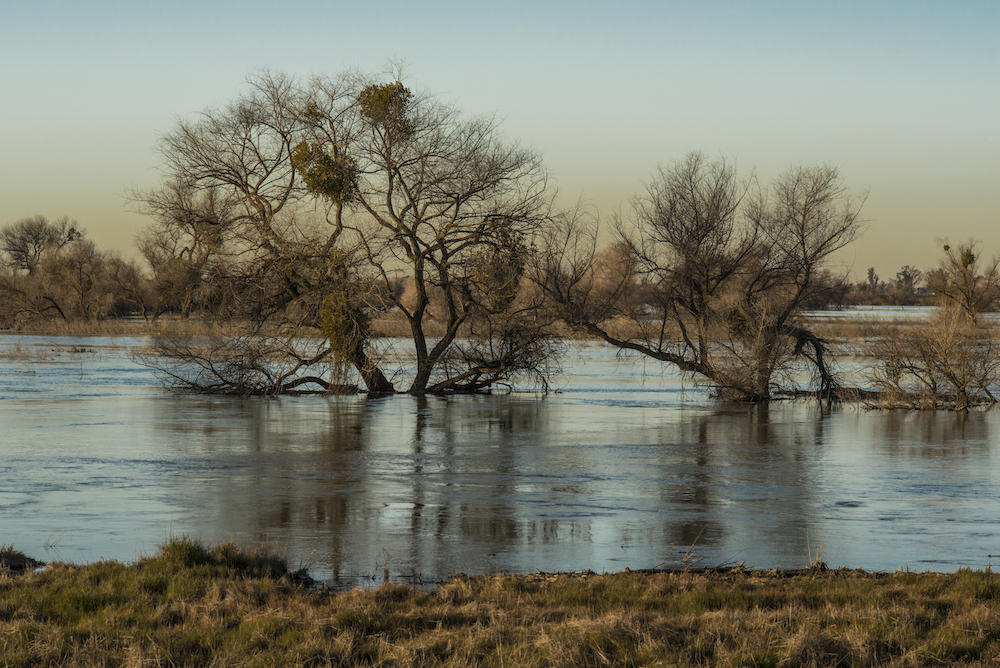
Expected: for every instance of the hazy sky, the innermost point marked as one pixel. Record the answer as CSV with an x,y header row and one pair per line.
x,y
902,96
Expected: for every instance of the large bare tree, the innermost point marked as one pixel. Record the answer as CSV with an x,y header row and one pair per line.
x,y
337,187
232,195
723,270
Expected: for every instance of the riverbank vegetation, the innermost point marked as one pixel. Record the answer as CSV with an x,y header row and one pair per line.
x,y
192,605
301,225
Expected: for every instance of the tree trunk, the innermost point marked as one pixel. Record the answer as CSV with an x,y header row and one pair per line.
x,y
762,371
374,379
424,368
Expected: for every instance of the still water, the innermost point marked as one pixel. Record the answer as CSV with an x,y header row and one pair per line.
x,y
626,465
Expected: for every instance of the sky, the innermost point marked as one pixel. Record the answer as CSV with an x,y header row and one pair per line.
x,y
902,96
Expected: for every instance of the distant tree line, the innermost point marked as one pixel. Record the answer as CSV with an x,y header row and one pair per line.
x,y
910,287
310,219
50,270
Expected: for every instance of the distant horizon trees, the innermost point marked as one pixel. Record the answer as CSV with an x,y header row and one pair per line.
x,y
49,270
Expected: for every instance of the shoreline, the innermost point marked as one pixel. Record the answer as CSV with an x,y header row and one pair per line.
x,y
17,563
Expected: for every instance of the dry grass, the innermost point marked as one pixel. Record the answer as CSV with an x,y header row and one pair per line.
x,y
54,327
392,324
15,352
163,327
15,560
197,606
854,331
117,327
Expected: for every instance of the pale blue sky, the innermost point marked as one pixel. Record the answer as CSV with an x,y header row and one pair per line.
x,y
903,96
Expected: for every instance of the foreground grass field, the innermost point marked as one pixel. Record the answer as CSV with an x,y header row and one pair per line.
x,y
196,606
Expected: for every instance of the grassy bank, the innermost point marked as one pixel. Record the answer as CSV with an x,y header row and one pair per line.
x,y
191,606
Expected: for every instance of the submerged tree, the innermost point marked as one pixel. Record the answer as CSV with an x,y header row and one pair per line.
x,y
725,272
446,197
330,191
953,359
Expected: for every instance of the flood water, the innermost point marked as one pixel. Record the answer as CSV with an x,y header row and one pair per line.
x,y
625,466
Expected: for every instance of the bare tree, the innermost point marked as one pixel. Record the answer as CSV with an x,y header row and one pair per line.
x,y
873,281
726,271
965,280
809,215
72,282
77,273
184,244
24,242
908,278
583,291
951,361
127,282
330,189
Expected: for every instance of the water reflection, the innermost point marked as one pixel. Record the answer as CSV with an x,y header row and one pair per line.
x,y
620,469
933,434
439,485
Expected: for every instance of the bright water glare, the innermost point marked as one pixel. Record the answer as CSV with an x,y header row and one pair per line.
x,y
626,465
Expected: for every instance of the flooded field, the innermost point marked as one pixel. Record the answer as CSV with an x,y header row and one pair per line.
x,y
626,465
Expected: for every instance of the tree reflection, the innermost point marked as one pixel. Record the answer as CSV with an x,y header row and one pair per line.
x,y
932,434
737,479
439,484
